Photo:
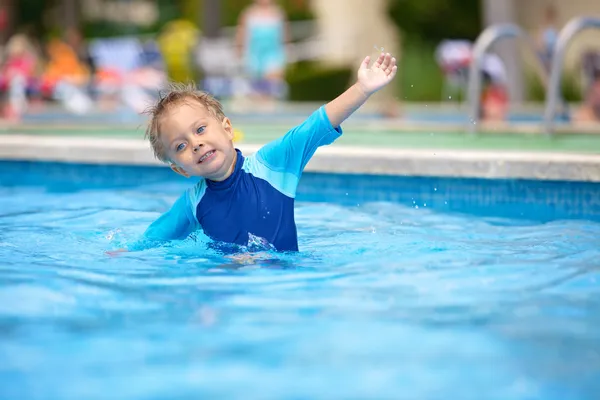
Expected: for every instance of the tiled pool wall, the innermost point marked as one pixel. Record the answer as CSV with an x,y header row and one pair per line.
x,y
511,198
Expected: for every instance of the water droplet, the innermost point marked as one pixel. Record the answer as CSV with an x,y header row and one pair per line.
x,y
424,204
445,202
435,189
449,97
346,194
411,85
417,207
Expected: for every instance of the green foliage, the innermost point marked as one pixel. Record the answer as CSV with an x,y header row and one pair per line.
x,y
296,10
30,16
570,88
310,81
419,78
424,24
435,20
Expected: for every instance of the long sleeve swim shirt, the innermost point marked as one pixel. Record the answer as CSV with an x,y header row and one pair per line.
x,y
257,200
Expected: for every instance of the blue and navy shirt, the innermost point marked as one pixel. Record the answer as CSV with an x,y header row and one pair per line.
x,y
257,200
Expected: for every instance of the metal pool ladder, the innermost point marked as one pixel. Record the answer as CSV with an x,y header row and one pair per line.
x,y
485,40
572,28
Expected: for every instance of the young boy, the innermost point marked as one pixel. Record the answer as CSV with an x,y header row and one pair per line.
x,y
242,198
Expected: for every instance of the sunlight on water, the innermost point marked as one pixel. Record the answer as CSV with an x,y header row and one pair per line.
x,y
383,299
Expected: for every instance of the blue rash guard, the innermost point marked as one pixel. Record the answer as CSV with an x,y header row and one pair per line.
x,y
257,199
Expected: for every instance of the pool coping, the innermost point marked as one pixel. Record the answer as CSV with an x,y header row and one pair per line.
x,y
329,159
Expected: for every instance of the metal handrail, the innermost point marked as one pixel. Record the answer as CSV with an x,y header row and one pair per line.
x,y
573,27
485,40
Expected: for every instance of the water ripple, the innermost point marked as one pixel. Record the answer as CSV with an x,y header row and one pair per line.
x,y
382,299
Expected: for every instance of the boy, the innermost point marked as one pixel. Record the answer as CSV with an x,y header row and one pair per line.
x,y
239,199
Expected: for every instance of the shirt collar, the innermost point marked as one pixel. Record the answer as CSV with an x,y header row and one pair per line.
x,y
227,183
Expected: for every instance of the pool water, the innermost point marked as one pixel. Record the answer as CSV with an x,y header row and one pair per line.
x,y
404,288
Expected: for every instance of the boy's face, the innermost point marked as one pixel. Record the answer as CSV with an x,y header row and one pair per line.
x,y
196,142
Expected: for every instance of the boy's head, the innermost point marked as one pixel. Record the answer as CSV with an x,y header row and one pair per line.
x,y
189,130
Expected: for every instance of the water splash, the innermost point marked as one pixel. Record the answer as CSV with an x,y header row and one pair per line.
x,y
257,243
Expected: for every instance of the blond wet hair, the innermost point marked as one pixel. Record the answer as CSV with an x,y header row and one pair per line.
x,y
175,95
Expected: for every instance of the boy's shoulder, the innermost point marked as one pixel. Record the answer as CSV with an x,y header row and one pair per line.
x,y
195,193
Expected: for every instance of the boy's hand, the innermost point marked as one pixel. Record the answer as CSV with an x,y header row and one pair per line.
x,y
378,75
369,81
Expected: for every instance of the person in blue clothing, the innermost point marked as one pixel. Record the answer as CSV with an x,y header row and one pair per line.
x,y
240,199
262,34
548,37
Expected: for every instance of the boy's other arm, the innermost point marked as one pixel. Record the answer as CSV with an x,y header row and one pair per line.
x,y
173,224
370,80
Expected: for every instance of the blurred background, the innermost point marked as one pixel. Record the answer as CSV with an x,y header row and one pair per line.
x,y
111,57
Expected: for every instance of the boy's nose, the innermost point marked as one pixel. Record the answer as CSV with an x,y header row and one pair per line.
x,y
197,147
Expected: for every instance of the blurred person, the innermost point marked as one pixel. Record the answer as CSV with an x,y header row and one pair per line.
x,y
547,37
17,75
177,42
66,77
127,70
494,100
262,34
75,39
243,201
454,58
494,95
590,110
148,76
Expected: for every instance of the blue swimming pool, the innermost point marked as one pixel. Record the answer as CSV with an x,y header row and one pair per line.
x,y
405,288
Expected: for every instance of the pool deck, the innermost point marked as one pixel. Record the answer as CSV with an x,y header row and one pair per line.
x,y
370,145
417,154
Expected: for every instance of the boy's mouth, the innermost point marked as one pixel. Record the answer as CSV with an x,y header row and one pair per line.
x,y
206,156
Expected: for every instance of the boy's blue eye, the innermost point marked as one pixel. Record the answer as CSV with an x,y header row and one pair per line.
x,y
180,146
200,130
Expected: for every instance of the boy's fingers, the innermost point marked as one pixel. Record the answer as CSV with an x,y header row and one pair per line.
x,y
386,61
366,61
391,65
379,61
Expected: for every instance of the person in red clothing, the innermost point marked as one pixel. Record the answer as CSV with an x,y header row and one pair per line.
x,y
17,74
590,109
494,97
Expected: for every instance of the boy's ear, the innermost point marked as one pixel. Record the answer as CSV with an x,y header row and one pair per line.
x,y
228,128
179,170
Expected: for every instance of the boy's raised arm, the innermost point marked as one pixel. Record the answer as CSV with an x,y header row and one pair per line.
x,y
370,79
